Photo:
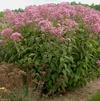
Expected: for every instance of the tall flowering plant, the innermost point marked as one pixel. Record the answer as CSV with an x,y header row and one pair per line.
x,y
55,42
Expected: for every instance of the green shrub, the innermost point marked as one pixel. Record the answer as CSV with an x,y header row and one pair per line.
x,y
59,63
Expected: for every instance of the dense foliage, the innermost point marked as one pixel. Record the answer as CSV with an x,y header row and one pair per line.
x,y
94,6
58,43
97,7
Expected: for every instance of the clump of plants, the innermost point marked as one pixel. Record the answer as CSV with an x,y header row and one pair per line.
x,y
60,51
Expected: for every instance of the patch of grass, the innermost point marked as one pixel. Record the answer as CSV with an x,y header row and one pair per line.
x,y
95,97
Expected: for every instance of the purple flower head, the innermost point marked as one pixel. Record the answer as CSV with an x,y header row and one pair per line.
x,y
6,32
98,62
45,25
57,31
16,36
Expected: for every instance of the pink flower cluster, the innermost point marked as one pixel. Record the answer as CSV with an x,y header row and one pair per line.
x,y
8,34
16,36
91,17
55,18
47,17
14,18
98,62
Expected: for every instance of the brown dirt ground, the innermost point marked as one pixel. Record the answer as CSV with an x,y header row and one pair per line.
x,y
81,94
11,77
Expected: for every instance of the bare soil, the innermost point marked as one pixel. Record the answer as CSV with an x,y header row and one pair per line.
x,y
11,77
81,94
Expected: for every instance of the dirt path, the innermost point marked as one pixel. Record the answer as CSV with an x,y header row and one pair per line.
x,y
81,94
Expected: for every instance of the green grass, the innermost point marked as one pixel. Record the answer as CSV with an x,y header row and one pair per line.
x,y
95,97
